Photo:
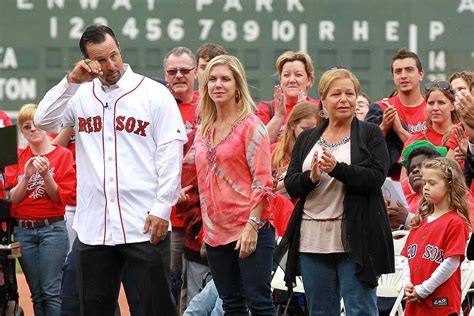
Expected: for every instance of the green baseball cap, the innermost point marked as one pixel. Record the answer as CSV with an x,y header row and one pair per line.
x,y
421,143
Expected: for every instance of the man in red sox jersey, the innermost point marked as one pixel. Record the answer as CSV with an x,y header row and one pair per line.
x,y
129,145
426,248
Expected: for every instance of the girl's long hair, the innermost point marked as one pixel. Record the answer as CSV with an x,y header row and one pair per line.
x,y
282,154
457,190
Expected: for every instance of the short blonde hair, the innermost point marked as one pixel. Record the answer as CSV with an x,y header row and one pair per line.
x,y
208,107
289,56
328,78
27,113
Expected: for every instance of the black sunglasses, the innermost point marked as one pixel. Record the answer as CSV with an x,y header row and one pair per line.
x,y
439,84
183,71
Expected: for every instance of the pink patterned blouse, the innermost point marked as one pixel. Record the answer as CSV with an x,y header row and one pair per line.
x,y
233,178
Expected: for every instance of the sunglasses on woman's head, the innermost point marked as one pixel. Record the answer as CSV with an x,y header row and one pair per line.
x,y
439,84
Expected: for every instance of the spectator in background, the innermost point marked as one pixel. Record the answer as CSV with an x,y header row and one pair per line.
x,y
233,168
339,234
457,144
180,73
41,183
463,80
204,54
304,116
296,75
4,122
404,113
412,158
465,105
441,115
363,103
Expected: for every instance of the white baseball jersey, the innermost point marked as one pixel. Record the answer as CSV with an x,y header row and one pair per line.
x,y
129,143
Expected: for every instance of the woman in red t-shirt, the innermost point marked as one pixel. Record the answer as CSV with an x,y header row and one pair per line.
x,y
441,113
41,184
441,116
296,75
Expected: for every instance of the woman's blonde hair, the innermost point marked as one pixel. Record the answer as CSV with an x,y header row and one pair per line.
x,y
328,78
282,153
457,190
290,56
243,97
27,113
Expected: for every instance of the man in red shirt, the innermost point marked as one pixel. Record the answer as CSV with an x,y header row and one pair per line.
x,y
404,113
180,73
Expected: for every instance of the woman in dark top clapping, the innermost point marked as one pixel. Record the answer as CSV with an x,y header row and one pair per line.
x,y
339,234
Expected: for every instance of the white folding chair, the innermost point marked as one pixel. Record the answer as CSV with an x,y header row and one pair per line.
x,y
391,284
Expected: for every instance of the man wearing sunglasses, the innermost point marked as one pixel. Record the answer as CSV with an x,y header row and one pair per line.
x,y
179,65
403,114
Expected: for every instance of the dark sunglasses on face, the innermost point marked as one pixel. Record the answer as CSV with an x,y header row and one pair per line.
x,y
439,84
183,71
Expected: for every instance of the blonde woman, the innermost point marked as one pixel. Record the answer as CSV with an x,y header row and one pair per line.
x,y
41,183
232,157
339,234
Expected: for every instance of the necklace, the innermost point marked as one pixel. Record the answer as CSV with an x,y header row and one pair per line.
x,y
324,143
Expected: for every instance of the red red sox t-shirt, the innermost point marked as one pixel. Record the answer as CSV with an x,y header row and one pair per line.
x,y
426,247
37,204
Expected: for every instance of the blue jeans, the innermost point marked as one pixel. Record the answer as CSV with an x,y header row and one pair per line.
x,y
207,302
244,282
327,277
43,253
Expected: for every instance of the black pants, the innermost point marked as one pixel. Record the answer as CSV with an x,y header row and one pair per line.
x,y
100,271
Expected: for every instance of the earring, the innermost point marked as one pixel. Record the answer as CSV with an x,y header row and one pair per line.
x,y
323,114
237,95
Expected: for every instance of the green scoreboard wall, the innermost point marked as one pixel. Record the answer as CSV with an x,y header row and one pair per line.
x,y
39,38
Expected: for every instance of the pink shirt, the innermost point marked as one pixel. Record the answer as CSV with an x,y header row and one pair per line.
x,y
233,178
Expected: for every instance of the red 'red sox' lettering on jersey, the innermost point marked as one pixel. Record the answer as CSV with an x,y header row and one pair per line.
x,y
130,125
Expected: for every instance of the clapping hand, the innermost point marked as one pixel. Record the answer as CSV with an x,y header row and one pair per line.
x,y
397,214
328,162
41,164
389,116
315,174
280,100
